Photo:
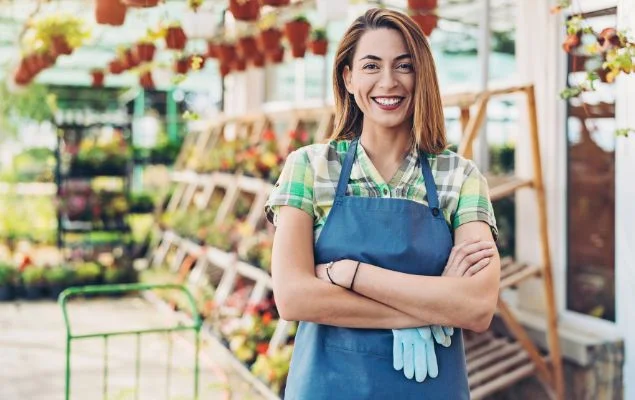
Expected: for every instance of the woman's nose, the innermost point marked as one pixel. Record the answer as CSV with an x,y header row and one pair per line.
x,y
387,79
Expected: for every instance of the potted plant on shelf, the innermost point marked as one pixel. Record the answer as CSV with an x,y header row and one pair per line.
x,y
145,79
175,38
33,281
57,279
110,12
297,32
319,42
226,52
87,273
8,275
245,10
98,77
276,57
273,368
246,46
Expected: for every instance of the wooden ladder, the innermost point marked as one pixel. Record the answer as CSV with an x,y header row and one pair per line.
x,y
494,362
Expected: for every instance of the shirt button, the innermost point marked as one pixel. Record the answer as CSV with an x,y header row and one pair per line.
x,y
435,211
386,192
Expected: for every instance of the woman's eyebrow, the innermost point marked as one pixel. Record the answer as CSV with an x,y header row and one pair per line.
x,y
373,57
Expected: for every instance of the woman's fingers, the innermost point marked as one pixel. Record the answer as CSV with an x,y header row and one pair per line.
x,y
474,269
466,254
456,249
472,259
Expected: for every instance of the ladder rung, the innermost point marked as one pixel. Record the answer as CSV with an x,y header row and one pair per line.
x,y
503,186
499,369
492,356
473,340
519,275
477,352
502,381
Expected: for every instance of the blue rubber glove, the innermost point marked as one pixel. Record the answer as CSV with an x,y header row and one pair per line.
x,y
413,351
442,334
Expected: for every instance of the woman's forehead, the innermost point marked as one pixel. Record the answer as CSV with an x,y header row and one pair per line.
x,y
384,43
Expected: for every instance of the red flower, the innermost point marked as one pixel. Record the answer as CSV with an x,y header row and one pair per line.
x,y
262,348
266,318
268,135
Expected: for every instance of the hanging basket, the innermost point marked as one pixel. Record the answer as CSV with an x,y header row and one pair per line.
x,y
275,3
145,80
22,75
257,60
144,52
59,46
422,4
175,38
275,57
239,64
110,12
141,3
116,66
129,60
298,51
319,47
427,22
182,65
245,10
98,77
269,40
246,46
297,33
226,53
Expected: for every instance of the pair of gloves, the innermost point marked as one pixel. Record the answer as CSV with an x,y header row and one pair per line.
x,y
413,350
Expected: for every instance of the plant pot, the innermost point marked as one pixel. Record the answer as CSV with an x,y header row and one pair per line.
x,y
32,64
23,74
129,59
246,46
212,50
422,4
427,22
116,66
224,70
98,78
298,51
275,3
297,32
141,3
245,10
110,12
257,60
276,57
571,42
175,38
226,53
239,64
269,40
319,47
7,293
144,52
182,65
59,46
145,80
33,292
44,60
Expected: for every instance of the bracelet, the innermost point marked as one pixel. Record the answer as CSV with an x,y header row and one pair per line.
x,y
354,276
328,268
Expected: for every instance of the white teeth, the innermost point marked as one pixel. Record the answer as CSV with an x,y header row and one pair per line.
x,y
387,101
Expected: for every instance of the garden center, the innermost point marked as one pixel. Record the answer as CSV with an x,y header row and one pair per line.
x,y
140,141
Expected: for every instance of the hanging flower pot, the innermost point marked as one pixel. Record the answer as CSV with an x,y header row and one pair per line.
x,y
59,46
269,40
319,42
175,38
141,3
22,75
226,53
297,32
239,64
257,60
98,77
275,3
572,42
224,69
245,10
45,60
246,46
144,51
110,12
129,59
275,57
422,4
298,51
145,80
212,50
182,65
427,22
32,64
116,66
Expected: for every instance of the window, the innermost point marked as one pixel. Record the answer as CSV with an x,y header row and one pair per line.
x,y
590,216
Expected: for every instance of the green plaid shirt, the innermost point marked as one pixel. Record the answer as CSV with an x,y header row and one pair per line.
x,y
309,179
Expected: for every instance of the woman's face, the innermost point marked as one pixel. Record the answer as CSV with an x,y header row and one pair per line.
x,y
382,80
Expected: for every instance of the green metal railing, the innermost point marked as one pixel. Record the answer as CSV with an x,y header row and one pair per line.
x,y
130,288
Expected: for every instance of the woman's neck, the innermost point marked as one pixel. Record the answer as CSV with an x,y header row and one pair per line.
x,y
386,150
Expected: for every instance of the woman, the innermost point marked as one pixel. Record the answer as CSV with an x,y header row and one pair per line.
x,y
366,225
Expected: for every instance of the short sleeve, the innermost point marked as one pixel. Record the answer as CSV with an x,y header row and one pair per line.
x,y
294,187
474,202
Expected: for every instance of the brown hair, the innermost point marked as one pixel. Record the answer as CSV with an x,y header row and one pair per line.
x,y
427,117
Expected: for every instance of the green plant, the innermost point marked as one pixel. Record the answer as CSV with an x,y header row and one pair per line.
x,y
114,275
319,34
87,272
59,275
68,26
33,276
8,274
300,18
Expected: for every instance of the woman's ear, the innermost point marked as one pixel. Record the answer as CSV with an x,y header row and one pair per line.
x,y
347,76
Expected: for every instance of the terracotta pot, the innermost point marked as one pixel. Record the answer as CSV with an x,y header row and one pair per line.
x,y
212,50
275,57
422,4
175,38
275,3
226,53
116,66
144,52
141,3
59,46
129,59
239,64
245,10
224,69
319,47
32,64
298,51
571,42
145,80
297,32
22,74
246,46
45,60
257,60
182,65
98,78
110,12
269,40
427,22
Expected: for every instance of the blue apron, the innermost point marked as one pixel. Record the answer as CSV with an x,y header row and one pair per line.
x,y
351,364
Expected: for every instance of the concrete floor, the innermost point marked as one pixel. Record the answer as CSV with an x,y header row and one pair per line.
x,y
32,355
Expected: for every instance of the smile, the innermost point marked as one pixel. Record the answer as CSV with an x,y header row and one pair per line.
x,y
388,103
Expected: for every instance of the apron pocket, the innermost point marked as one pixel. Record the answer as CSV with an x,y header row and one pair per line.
x,y
377,342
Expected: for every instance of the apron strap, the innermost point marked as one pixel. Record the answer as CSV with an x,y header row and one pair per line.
x,y
431,187
346,169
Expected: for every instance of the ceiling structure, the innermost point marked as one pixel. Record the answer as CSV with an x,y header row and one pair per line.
x,y
457,17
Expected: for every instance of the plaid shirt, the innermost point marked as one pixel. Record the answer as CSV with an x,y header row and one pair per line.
x,y
309,180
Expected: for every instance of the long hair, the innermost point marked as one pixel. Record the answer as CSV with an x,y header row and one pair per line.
x,y
428,125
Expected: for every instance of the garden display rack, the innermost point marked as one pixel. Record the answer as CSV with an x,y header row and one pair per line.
x,y
495,359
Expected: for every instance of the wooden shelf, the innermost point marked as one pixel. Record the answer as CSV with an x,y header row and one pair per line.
x,y
512,272
501,186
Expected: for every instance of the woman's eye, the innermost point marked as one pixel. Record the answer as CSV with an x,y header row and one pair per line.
x,y
370,66
405,66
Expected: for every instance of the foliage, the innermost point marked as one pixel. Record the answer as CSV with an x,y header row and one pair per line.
x,y
273,368
58,275
33,103
69,26
33,276
8,273
319,34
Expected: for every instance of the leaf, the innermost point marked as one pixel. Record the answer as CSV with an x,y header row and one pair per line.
x,y
624,132
190,116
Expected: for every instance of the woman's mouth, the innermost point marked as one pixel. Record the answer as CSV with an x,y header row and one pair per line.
x,y
388,103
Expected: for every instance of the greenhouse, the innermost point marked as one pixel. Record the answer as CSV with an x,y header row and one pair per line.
x,y
155,157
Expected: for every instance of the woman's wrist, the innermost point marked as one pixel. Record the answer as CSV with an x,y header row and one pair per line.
x,y
345,272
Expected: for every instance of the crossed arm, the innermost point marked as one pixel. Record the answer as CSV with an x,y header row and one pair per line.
x,y
382,298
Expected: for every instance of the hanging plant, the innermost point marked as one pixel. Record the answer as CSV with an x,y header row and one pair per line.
x,y
141,3
297,33
275,3
98,77
60,33
427,22
239,64
116,66
275,57
422,4
246,46
182,65
145,80
319,42
144,50
110,12
226,53
245,10
269,40
212,50
175,38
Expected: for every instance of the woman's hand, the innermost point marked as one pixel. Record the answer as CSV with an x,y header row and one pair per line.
x,y
340,274
469,257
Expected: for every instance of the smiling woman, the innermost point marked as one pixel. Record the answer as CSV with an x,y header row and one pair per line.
x,y
379,228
